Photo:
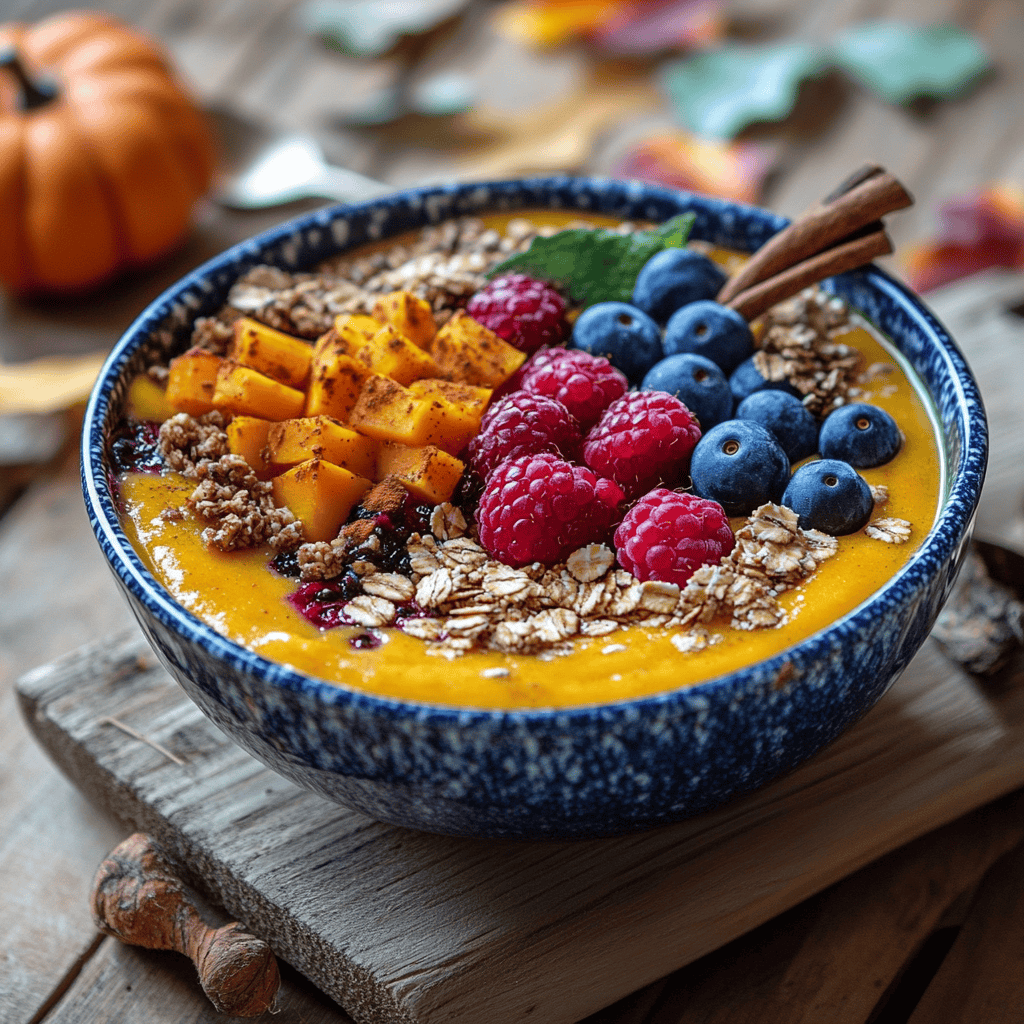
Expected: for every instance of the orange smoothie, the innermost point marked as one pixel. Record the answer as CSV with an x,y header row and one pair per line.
x,y
238,594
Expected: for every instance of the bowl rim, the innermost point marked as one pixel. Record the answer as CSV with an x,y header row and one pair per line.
x,y
946,538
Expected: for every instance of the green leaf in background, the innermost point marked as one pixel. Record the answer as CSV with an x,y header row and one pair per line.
x,y
368,28
596,265
718,93
902,62
443,94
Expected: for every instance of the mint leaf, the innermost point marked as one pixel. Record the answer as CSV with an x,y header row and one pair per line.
x,y
596,265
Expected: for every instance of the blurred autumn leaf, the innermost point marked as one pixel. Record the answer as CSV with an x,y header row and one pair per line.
x,y
368,28
902,62
978,231
728,170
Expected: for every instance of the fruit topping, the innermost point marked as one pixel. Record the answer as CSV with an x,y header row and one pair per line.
x,y
674,277
862,435
429,473
667,536
411,316
786,417
278,355
626,336
242,390
830,496
740,465
191,380
697,382
323,602
540,508
470,353
523,424
642,439
586,385
521,310
709,329
136,449
320,495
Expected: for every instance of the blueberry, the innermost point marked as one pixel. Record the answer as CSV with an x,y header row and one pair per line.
x,y
786,417
674,277
740,465
626,336
746,379
697,382
710,329
829,495
862,435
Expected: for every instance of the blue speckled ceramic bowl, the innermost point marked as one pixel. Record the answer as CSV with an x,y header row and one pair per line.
x,y
587,771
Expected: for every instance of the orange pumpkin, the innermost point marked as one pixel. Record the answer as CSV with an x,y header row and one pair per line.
x,y
102,153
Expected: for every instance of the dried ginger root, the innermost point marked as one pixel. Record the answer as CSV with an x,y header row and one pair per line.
x,y
137,898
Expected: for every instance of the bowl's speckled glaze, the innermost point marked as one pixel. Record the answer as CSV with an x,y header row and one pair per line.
x,y
587,771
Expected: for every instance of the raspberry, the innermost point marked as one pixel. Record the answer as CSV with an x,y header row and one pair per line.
x,y
642,439
523,424
523,311
583,383
668,536
539,508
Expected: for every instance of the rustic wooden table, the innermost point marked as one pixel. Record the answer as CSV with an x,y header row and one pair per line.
x,y
921,935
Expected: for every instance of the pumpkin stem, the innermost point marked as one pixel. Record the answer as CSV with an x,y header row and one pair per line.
x,y
34,93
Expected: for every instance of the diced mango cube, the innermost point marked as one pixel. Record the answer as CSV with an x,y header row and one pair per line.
x,y
351,331
410,316
475,400
147,400
320,437
192,380
247,436
429,473
389,412
458,409
334,386
470,353
272,352
389,354
321,495
247,392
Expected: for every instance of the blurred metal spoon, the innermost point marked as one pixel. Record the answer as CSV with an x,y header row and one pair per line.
x,y
261,169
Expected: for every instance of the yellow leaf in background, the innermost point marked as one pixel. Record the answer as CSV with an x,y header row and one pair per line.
x,y
728,170
561,135
552,22
48,385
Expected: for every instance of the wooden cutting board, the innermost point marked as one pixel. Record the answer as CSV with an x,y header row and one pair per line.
x,y
399,926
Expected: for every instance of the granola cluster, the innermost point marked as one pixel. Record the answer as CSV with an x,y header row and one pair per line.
x,y
238,506
798,344
445,265
772,555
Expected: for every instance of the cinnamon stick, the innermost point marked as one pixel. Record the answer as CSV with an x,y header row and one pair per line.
x,y
869,199
858,176
761,296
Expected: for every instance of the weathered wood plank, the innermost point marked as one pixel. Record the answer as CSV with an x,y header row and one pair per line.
x,y
426,928
982,977
56,596
123,983
833,958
